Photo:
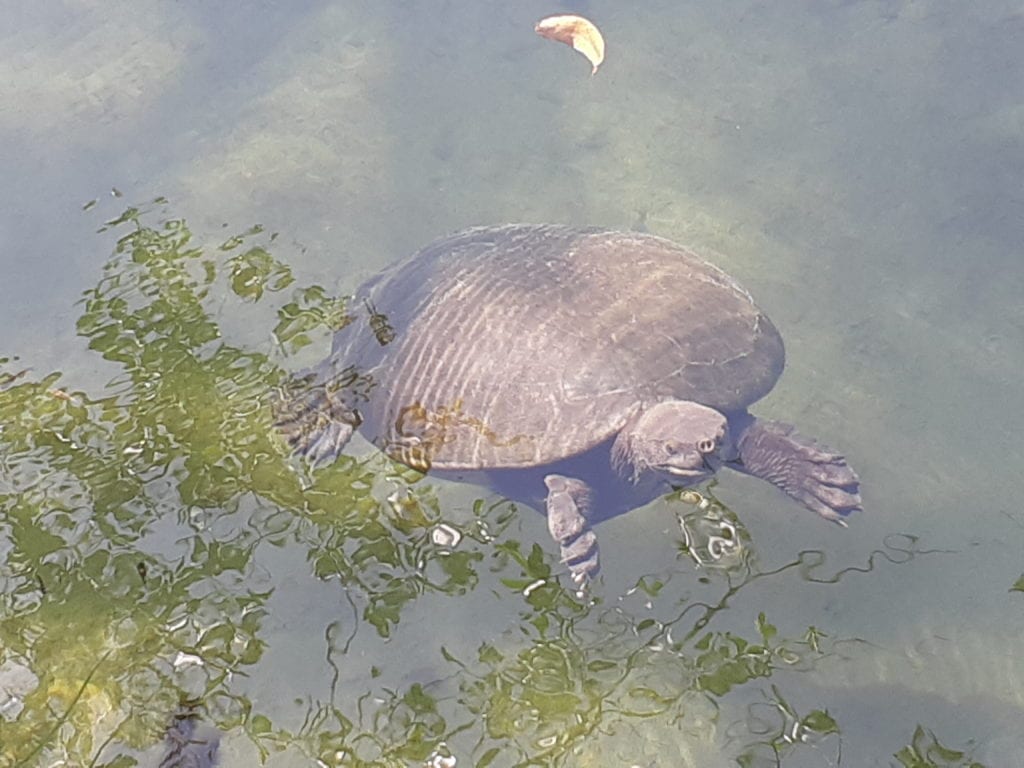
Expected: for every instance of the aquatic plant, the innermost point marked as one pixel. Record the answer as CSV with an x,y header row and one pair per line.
x,y
135,523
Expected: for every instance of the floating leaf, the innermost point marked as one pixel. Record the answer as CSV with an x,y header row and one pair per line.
x,y
576,31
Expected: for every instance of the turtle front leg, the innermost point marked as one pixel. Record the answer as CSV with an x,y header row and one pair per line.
x,y
568,510
814,475
315,422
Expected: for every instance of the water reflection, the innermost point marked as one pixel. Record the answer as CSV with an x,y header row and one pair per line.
x,y
713,535
140,525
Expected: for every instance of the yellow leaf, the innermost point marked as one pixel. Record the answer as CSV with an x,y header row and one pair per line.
x,y
576,31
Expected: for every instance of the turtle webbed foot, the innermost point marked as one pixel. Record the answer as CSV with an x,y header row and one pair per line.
x,y
315,423
814,475
568,507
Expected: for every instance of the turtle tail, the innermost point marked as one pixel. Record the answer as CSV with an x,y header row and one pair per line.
x,y
314,419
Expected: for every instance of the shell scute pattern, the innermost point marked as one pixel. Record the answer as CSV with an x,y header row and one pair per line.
x,y
520,345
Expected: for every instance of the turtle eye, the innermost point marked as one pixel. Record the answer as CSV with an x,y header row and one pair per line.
x,y
673,448
706,445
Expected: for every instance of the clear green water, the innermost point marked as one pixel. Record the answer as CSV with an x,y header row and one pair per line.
x,y
856,165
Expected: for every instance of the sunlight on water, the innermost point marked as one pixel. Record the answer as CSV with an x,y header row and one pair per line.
x,y
174,587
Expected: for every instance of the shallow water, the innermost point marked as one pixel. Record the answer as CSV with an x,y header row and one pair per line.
x,y
856,165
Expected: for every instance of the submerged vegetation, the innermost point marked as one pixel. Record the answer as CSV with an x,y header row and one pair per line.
x,y
136,528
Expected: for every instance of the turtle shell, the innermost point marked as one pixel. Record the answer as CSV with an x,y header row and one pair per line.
x,y
521,345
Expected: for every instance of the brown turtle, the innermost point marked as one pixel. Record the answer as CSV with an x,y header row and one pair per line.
x,y
589,366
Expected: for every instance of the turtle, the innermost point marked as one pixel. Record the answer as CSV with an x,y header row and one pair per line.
x,y
584,370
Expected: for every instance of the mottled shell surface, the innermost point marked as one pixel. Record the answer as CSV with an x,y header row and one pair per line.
x,y
521,345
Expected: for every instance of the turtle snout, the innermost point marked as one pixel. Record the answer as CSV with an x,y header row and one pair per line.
x,y
692,462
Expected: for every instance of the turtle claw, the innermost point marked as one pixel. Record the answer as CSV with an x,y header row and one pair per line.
x,y
836,472
833,513
585,570
582,558
817,477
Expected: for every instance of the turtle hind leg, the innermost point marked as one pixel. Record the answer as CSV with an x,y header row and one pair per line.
x,y
568,513
814,475
314,420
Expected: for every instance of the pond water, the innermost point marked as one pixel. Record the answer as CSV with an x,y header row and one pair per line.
x,y
194,189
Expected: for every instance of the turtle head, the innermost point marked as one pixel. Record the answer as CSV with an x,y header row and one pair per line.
x,y
684,440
